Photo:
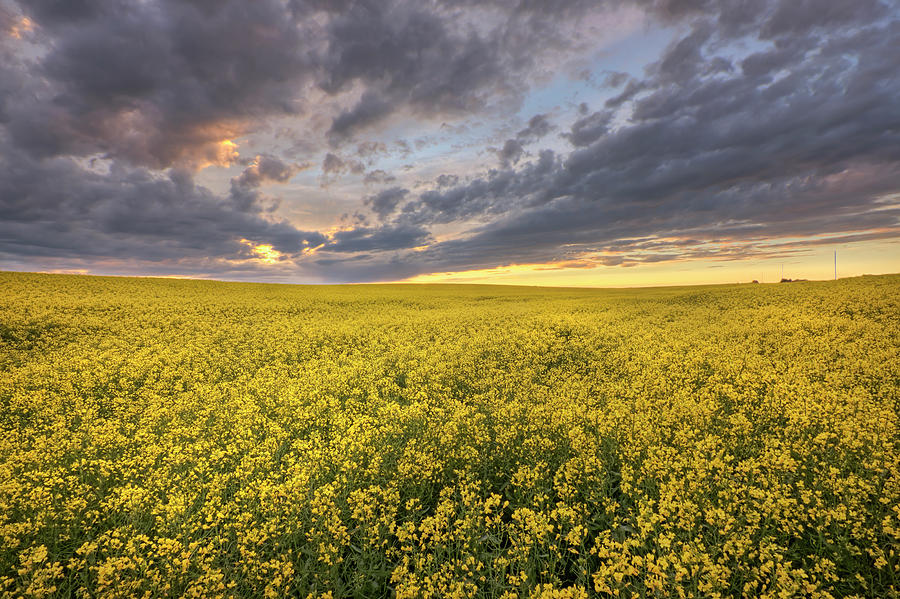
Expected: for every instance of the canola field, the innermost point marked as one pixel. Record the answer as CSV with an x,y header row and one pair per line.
x,y
167,438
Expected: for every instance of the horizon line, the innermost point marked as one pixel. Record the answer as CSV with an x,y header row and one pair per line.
x,y
438,283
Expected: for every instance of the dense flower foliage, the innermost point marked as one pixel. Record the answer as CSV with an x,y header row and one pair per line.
x,y
189,438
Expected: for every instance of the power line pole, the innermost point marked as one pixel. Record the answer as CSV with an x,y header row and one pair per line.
x,y
835,265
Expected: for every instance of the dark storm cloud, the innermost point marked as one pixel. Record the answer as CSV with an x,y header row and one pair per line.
x,y
57,208
144,86
408,56
156,83
445,58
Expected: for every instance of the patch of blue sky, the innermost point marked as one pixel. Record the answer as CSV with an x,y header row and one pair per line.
x,y
567,90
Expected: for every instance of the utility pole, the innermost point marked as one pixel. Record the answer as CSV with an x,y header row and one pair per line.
x,y
835,265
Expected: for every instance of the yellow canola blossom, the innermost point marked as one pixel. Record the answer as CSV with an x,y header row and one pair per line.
x,y
176,438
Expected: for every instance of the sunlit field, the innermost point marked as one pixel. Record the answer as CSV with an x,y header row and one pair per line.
x,y
173,437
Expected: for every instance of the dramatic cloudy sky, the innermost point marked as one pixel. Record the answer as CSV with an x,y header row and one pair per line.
x,y
568,142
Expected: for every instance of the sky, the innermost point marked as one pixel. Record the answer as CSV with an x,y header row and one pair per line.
x,y
577,142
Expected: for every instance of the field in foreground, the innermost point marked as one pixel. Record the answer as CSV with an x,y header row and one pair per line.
x,y
162,437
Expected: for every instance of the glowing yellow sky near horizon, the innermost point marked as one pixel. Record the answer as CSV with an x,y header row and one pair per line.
x,y
816,263
265,252
853,259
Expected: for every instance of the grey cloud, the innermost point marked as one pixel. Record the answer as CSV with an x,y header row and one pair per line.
x,y
57,208
796,18
763,63
332,163
435,61
51,12
384,202
538,126
378,176
156,83
403,148
412,58
615,79
369,149
446,180
513,149
8,20
335,165
266,168
632,89
590,128
571,229
497,192
371,108
245,193
709,152
510,153
682,60
161,82
177,77
381,239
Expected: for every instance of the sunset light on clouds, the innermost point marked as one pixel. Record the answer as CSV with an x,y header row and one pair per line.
x,y
571,143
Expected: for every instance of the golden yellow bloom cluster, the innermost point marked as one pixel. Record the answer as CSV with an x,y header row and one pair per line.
x,y
165,438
